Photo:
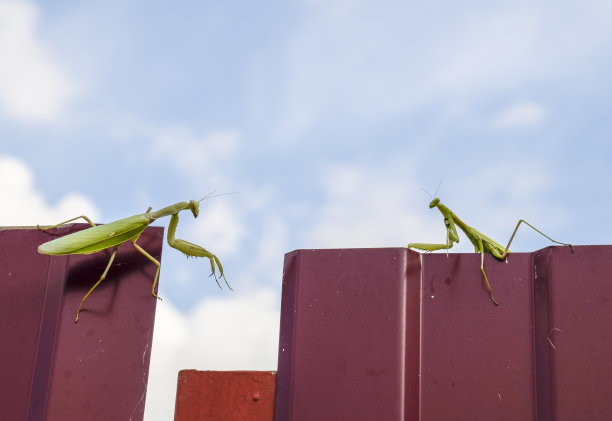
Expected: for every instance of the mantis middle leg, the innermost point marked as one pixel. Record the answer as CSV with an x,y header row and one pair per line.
x,y
481,250
154,260
110,262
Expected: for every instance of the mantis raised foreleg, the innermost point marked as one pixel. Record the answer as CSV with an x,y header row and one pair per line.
x,y
113,234
482,243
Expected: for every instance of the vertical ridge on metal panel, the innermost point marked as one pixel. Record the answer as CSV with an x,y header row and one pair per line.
x,y
412,336
542,349
349,335
287,329
45,349
23,282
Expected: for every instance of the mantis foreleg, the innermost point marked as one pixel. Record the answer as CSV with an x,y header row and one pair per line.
x,y
430,247
191,249
110,262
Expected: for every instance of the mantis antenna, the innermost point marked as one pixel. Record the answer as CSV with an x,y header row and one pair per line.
x,y
211,195
438,188
429,194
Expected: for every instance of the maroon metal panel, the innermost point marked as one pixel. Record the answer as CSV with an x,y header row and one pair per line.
x,y
573,339
477,358
349,335
55,369
225,395
358,327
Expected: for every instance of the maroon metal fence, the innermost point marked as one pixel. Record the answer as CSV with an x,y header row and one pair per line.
x,y
55,369
394,335
365,334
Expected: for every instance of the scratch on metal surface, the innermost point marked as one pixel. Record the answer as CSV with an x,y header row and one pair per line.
x,y
144,354
550,334
144,382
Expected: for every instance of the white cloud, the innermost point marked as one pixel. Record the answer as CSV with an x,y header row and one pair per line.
x,y
365,207
374,59
524,114
499,194
368,208
22,204
268,256
267,244
237,333
220,224
200,156
33,86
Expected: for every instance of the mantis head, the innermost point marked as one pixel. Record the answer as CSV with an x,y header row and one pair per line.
x,y
434,203
194,205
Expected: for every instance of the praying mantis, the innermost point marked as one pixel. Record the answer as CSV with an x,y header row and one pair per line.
x,y
481,242
113,234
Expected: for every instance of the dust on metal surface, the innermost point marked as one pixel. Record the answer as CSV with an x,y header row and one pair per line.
x,y
54,368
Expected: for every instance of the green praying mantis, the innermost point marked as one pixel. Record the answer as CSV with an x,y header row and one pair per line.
x,y
113,234
482,243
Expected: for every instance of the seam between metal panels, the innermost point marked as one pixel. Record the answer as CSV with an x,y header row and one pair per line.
x,y
404,301
283,406
296,286
532,278
542,310
420,334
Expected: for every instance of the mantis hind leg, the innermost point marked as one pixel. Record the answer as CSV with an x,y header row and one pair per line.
x,y
194,250
481,250
154,260
65,222
537,230
110,262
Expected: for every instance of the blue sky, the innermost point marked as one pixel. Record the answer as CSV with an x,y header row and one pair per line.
x,y
327,116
